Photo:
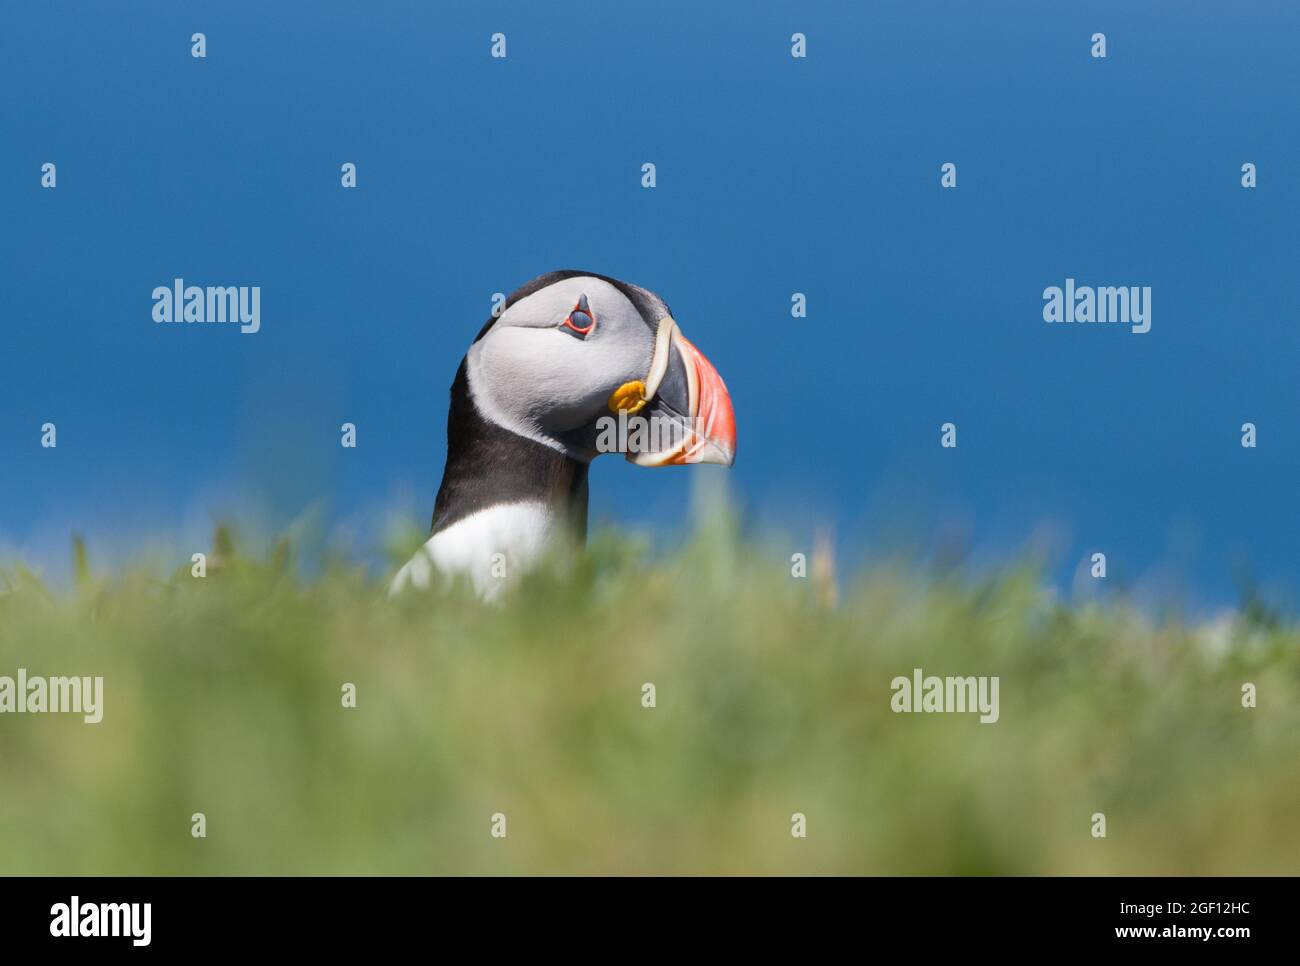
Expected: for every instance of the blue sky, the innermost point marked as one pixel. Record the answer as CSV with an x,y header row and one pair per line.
x,y
775,176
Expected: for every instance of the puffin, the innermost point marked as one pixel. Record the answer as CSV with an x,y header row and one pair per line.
x,y
573,365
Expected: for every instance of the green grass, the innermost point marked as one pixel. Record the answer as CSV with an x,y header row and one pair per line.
x,y
222,696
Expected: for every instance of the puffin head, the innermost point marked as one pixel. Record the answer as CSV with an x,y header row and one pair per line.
x,y
586,364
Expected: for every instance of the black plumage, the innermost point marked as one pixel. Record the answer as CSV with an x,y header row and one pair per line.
x,y
489,465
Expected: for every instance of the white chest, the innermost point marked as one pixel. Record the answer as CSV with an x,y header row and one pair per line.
x,y
490,547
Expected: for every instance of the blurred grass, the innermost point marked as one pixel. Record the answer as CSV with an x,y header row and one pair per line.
x,y
222,696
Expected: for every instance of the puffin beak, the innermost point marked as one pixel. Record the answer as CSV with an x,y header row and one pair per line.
x,y
693,400
713,438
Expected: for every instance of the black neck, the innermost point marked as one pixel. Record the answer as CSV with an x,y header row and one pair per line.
x,y
488,465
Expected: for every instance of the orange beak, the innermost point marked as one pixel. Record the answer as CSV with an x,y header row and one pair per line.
x,y
704,424
712,438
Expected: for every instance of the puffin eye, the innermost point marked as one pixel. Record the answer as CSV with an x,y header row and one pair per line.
x,y
580,322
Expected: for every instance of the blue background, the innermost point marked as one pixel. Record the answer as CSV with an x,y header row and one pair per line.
x,y
775,176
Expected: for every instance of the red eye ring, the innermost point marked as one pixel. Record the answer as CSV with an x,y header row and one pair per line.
x,y
583,309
